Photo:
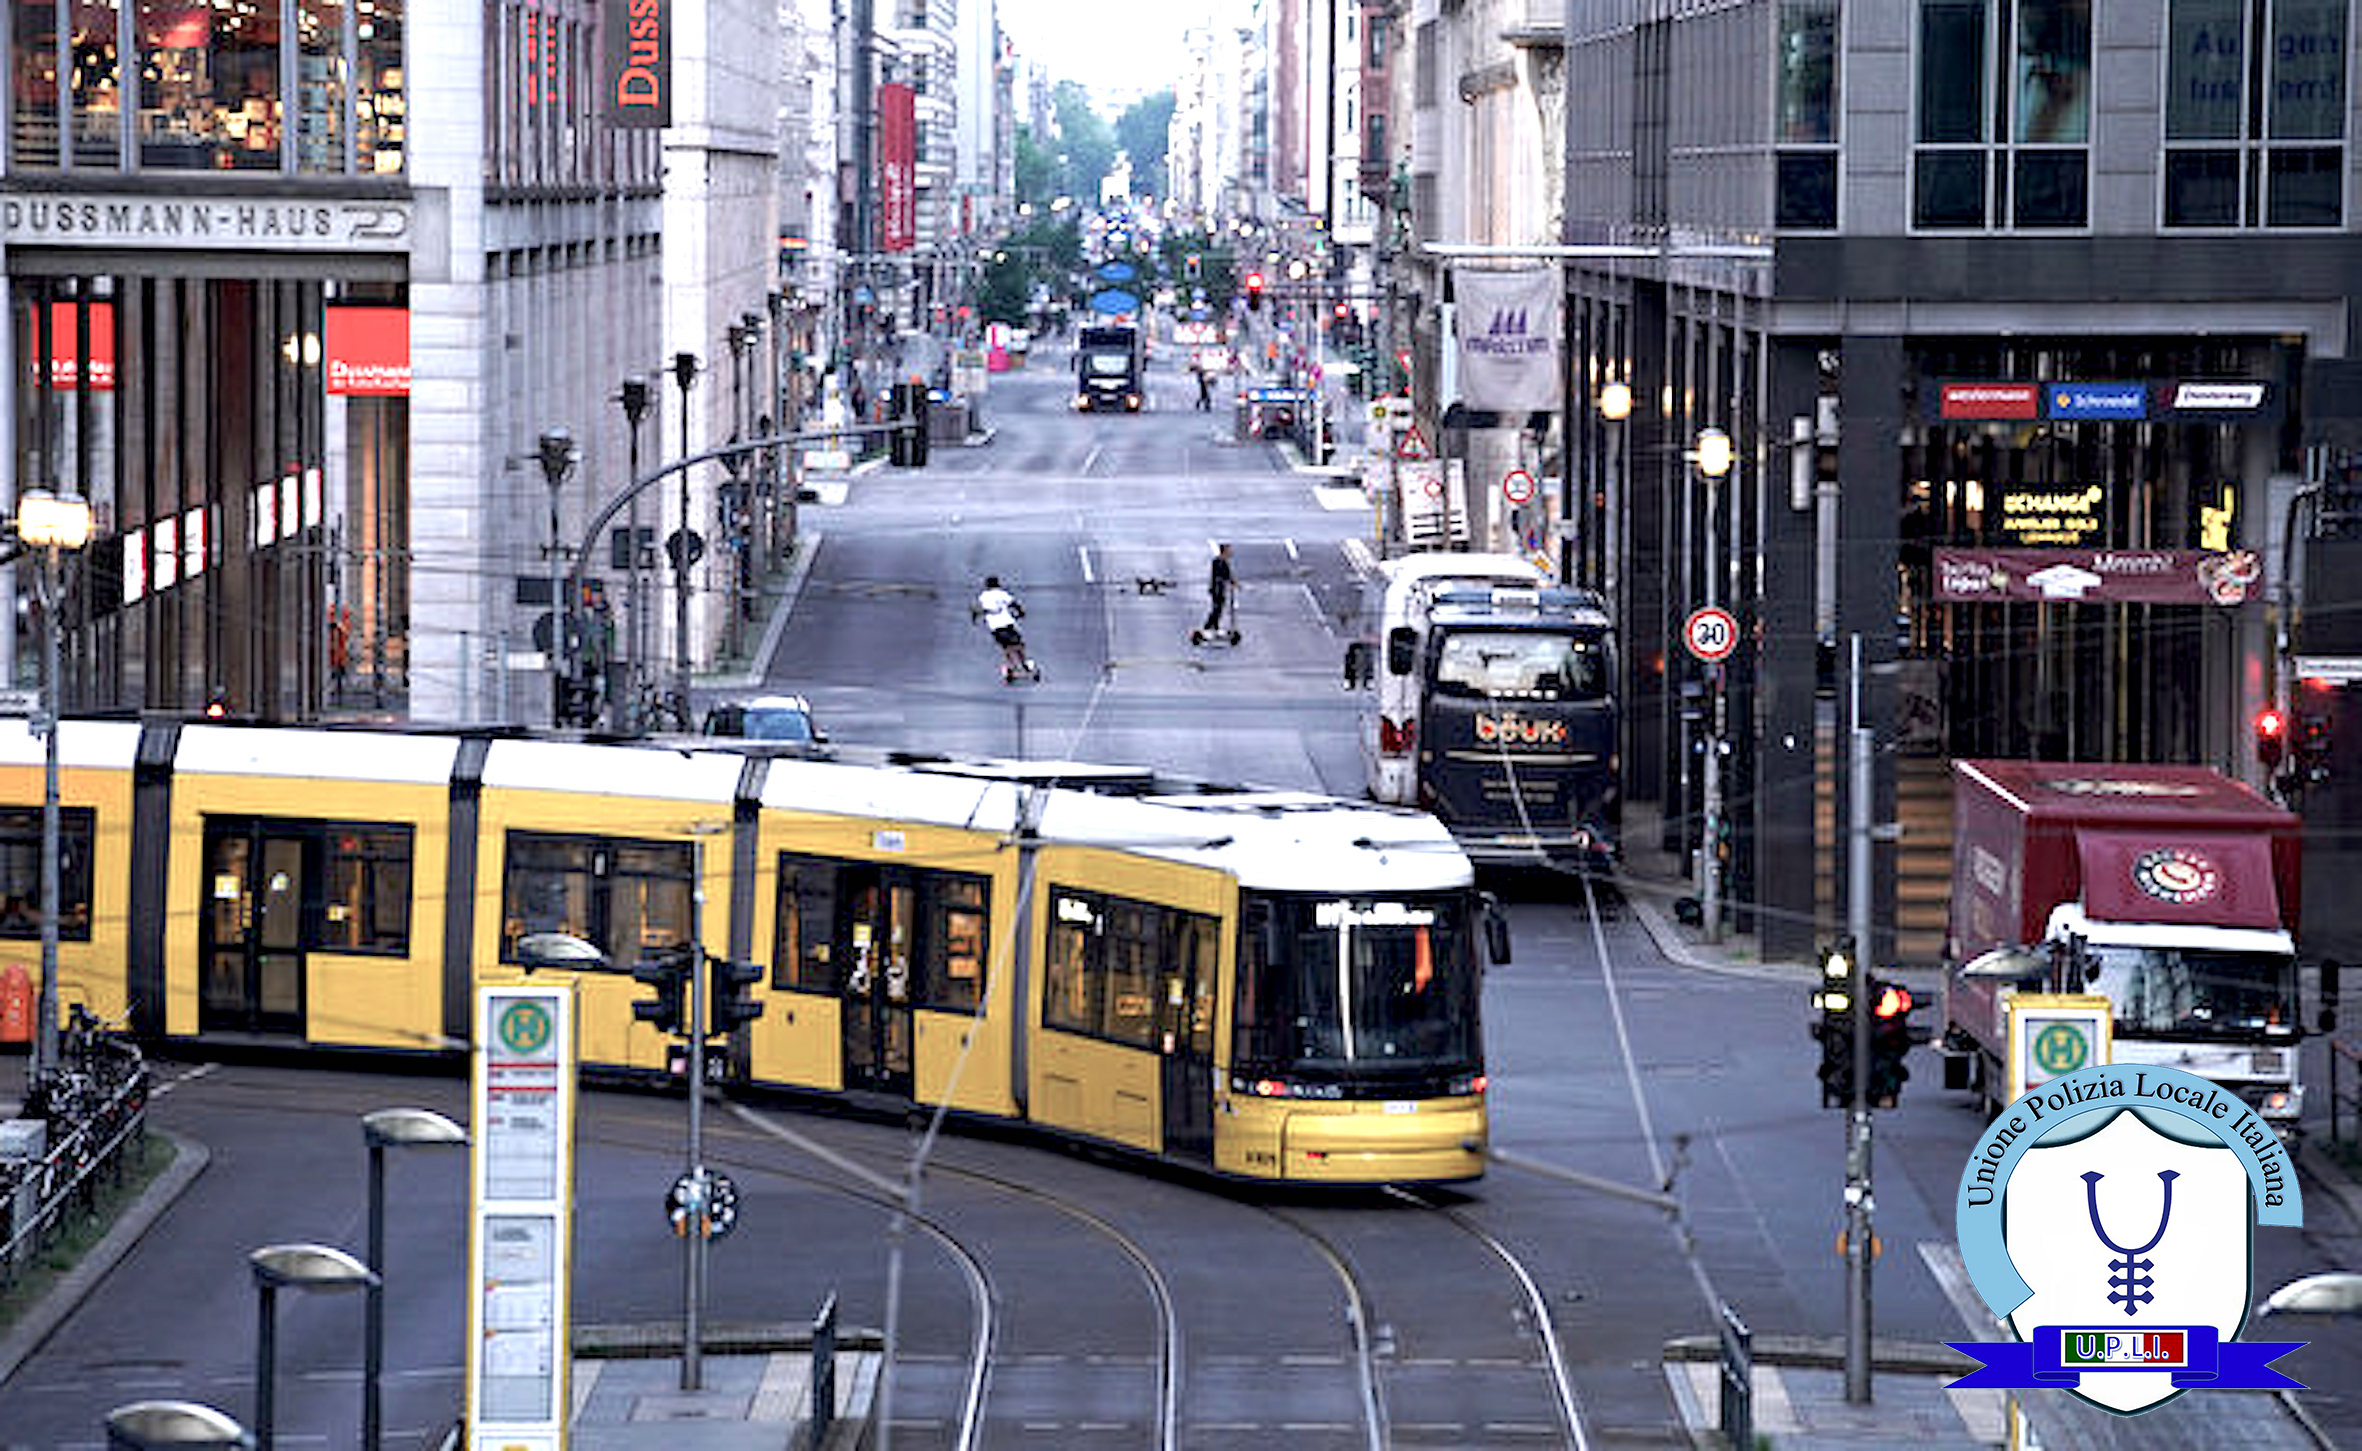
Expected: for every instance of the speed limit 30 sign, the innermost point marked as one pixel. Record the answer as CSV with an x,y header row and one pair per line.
x,y
1711,634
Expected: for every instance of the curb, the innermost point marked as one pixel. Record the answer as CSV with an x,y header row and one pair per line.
x,y
1827,1352
1639,893
790,591
189,1159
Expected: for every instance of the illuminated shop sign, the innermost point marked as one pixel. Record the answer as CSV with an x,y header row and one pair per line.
x,y
2051,513
637,66
368,351
2096,576
1989,400
65,371
2123,401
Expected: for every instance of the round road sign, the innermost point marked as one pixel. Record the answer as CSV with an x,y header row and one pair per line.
x,y
1517,486
1711,634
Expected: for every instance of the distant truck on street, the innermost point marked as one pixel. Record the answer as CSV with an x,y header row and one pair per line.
x,y
1107,369
2172,890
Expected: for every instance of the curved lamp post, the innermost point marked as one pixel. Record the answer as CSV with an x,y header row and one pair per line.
x,y
1713,457
388,1128
155,1425
51,523
296,1266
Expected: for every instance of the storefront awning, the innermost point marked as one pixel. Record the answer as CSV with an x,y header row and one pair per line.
x,y
2207,880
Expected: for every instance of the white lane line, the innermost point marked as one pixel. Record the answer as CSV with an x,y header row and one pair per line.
x,y
1083,552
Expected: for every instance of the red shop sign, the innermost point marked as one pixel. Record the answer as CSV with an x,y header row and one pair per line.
x,y
368,351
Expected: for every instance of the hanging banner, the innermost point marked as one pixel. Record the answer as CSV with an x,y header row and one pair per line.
x,y
897,167
636,63
2097,576
1508,322
368,351
65,370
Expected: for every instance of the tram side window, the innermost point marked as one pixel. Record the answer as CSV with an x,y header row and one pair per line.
x,y
803,956
958,939
1071,986
1194,953
20,871
1259,1014
367,904
1131,975
630,898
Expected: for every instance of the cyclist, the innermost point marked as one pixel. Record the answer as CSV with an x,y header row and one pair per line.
x,y
1000,612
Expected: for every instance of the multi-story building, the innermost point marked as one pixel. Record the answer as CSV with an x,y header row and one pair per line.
x,y
2028,320
299,291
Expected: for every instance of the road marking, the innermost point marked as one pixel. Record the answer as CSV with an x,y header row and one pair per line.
x,y
1090,458
1291,547
1082,552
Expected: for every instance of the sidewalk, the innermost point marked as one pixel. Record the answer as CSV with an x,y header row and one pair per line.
x,y
755,1391
1798,1384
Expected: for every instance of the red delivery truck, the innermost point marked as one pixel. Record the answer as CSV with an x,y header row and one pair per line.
x,y
2170,889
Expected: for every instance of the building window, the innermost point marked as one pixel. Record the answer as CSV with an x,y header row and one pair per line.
x,y
1807,88
97,95
210,86
2003,129
20,871
2246,123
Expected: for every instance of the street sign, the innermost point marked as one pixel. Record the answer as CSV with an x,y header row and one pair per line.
x,y
2053,1034
2333,669
718,1204
1517,486
521,1192
1413,445
1711,634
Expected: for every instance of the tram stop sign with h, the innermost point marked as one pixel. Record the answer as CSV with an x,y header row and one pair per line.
x,y
1711,634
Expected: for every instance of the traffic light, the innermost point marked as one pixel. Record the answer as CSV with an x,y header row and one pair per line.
x,y
1890,1041
730,1001
2314,730
2271,736
1835,1028
1254,290
667,1011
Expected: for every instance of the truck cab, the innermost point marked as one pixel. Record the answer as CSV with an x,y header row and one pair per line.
x,y
1107,370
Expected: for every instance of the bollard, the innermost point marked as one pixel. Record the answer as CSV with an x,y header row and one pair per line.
x,y
824,1372
1738,1380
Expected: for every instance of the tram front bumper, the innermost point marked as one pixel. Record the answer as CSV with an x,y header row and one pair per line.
x,y
1397,1141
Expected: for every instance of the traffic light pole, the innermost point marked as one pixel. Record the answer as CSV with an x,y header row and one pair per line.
x,y
1859,1204
693,1230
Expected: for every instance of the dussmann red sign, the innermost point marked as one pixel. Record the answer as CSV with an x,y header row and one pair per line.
x,y
368,351
65,347
636,63
1990,400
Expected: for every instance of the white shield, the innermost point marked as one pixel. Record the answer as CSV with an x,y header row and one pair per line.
x,y
2198,1269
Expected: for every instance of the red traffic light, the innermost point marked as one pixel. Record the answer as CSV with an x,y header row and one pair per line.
x,y
2271,734
1254,282
1894,1000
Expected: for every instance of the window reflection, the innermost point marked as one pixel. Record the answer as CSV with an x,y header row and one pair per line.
x,y
319,86
98,105
378,129
33,87
209,85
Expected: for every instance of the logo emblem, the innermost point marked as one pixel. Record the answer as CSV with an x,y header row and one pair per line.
x,y
2061,1048
524,1027
2177,874
2104,1217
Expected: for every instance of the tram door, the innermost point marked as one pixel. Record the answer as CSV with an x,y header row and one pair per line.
x,y
1185,1034
253,938
877,913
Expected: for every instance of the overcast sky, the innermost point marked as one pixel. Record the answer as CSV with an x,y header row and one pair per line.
x,y
1119,50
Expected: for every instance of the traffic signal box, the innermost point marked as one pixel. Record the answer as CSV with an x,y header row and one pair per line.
x,y
1890,1041
2271,737
668,1010
1835,1027
730,1002
1254,290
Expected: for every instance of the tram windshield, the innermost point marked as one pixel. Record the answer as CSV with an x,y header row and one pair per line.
x,y
1380,989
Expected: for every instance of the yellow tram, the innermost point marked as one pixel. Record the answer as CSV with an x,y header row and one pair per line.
x,y
1270,985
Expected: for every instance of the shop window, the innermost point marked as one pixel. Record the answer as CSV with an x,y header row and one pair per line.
x,y
210,97
2003,127
380,104
20,871
2252,90
98,99
1806,177
320,86
32,86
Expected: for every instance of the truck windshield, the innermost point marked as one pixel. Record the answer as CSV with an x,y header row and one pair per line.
x,y
1521,664
1382,989
1108,365
2179,990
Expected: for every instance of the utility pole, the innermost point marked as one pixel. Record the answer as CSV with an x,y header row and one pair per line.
x,y
1859,1204
684,374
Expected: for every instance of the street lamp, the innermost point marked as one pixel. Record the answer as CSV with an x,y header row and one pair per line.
x,y
158,1425
556,451
634,396
1713,458
52,524
384,1129
1615,405
685,376
300,1267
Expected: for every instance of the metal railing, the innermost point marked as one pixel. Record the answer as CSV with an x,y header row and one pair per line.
x,y
96,1106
